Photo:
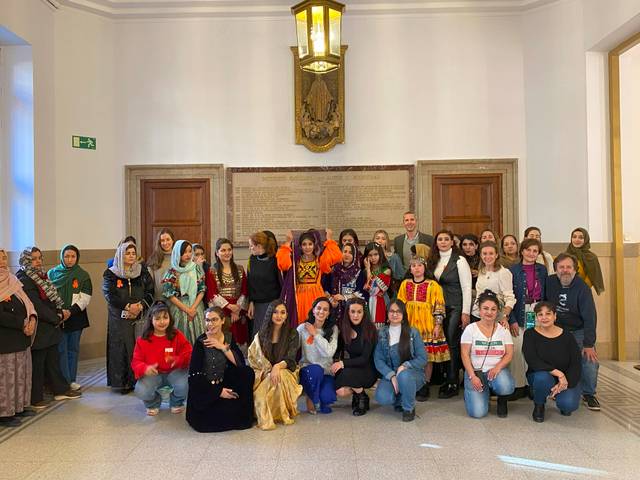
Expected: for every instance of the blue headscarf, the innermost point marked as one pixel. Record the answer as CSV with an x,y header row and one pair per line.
x,y
188,275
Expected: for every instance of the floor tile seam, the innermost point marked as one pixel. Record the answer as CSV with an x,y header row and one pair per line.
x,y
11,432
622,371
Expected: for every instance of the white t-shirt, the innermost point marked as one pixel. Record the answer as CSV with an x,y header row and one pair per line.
x,y
480,346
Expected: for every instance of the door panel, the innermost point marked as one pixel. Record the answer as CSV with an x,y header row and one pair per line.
x,y
181,205
467,203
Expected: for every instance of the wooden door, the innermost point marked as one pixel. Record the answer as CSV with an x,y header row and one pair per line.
x,y
181,205
467,203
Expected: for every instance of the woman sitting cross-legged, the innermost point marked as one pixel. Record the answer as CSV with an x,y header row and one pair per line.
x,y
220,383
354,371
486,349
554,361
272,355
160,358
318,342
400,357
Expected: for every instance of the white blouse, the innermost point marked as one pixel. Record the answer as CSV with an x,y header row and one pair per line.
x,y
499,282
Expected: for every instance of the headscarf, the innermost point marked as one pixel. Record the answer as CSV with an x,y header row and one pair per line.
x,y
67,279
10,285
188,274
39,277
342,274
588,259
119,268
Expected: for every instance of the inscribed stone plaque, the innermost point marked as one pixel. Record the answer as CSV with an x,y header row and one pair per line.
x,y
281,199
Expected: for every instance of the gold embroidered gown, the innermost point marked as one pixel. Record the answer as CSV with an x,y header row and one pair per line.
x,y
275,403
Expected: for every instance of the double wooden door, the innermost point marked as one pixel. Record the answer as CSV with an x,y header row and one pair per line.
x,y
467,203
183,205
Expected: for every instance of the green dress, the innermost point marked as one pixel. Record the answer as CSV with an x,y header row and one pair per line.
x,y
171,288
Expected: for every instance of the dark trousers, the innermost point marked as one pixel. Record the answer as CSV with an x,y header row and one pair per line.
x,y
453,333
46,370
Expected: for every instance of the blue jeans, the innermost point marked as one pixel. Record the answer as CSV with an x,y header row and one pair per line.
x,y
320,388
409,382
69,349
567,401
589,380
477,403
147,388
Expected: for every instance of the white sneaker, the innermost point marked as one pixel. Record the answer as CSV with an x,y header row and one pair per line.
x,y
75,386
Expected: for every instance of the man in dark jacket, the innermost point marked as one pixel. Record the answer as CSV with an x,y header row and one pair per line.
x,y
403,243
576,312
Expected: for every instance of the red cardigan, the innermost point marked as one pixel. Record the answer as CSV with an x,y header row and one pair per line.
x,y
156,350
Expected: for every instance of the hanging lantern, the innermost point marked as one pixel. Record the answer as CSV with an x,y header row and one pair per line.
x,y
318,25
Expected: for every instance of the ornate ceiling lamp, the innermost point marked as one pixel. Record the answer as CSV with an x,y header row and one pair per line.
x,y
318,25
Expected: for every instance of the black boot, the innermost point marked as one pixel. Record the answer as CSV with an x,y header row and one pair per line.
x,y
364,401
356,409
354,400
502,410
422,395
448,390
538,413
408,416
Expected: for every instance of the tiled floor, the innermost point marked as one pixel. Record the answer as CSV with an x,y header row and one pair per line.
x,y
104,436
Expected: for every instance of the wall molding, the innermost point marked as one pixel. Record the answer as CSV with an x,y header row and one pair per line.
x,y
282,8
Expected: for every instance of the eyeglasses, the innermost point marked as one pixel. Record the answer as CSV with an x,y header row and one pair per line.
x,y
394,312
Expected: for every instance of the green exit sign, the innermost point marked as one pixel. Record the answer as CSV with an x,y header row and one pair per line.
x,y
83,142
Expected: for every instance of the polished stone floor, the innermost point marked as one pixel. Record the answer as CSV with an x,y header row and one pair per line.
x,y
104,436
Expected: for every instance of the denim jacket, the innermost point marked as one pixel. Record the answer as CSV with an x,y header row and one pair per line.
x,y
382,355
520,290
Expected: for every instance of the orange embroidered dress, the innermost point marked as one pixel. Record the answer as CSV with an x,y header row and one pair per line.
x,y
309,274
425,301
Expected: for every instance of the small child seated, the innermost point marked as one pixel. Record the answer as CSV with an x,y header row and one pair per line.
x,y
161,359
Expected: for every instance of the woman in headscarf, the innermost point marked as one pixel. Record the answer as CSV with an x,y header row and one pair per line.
x,y
17,324
128,289
346,281
44,350
588,264
184,286
74,287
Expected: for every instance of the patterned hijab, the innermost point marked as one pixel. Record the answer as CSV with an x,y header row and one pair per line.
x,y
39,277
343,275
588,259
119,268
188,275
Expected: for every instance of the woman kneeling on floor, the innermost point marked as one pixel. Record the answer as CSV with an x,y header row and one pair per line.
x,y
272,355
554,361
160,359
486,348
400,357
354,370
220,383
318,342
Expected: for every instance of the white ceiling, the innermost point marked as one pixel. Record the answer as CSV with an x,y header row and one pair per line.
x,y
275,8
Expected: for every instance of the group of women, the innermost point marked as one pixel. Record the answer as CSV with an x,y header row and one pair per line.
x,y
42,315
351,318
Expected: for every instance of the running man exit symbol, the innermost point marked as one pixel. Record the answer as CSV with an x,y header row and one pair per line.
x,y
83,142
